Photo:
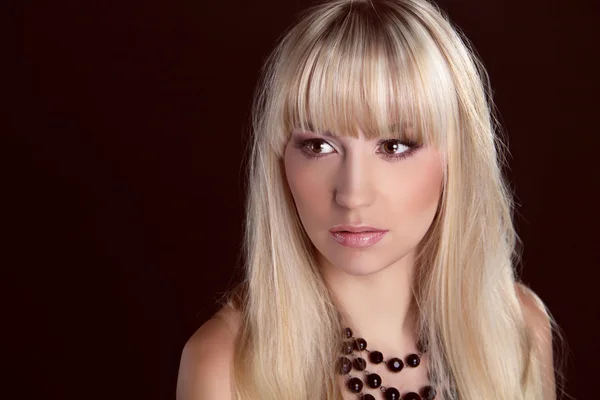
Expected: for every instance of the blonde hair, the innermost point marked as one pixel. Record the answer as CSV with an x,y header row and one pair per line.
x,y
385,67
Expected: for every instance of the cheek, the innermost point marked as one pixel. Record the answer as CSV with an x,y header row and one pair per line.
x,y
425,189
305,185
416,192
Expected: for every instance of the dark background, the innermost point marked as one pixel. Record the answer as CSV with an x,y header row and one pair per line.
x,y
122,177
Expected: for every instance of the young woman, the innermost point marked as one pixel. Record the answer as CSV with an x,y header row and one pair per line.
x,y
380,251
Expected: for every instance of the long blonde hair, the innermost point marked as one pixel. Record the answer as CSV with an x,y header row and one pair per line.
x,y
382,66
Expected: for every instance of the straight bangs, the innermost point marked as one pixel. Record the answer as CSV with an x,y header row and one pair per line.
x,y
369,70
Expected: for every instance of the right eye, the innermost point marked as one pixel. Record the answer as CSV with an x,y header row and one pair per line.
x,y
314,148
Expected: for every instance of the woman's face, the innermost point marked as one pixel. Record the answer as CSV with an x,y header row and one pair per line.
x,y
384,184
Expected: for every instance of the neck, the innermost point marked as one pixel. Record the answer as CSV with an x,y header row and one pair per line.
x,y
378,307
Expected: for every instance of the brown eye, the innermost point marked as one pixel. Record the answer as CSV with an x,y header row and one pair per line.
x,y
314,148
317,146
392,146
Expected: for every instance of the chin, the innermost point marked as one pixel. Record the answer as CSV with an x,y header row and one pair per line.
x,y
355,262
364,271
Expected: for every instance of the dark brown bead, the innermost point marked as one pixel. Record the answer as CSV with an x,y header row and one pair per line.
x,y
360,344
347,348
411,396
359,364
392,394
374,381
348,332
367,397
395,364
376,357
413,360
355,385
344,365
428,393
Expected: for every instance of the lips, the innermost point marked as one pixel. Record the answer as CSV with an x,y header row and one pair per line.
x,y
355,229
357,236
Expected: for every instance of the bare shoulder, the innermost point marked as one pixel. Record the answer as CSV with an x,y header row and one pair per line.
x,y
538,323
207,358
536,316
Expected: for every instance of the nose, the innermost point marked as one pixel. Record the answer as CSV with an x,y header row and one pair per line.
x,y
353,187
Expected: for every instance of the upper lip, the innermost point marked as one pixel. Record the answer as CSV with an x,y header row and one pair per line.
x,y
355,228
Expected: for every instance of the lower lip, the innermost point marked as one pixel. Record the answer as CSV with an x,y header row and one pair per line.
x,y
358,239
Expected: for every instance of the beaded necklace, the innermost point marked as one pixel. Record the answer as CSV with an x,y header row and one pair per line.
x,y
355,384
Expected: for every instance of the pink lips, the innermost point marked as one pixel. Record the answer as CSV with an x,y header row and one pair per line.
x,y
357,236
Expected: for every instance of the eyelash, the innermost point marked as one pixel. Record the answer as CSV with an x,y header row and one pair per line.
x,y
412,147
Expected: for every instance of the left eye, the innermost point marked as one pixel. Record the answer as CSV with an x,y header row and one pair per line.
x,y
393,146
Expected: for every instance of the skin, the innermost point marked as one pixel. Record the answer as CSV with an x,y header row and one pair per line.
x,y
354,183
